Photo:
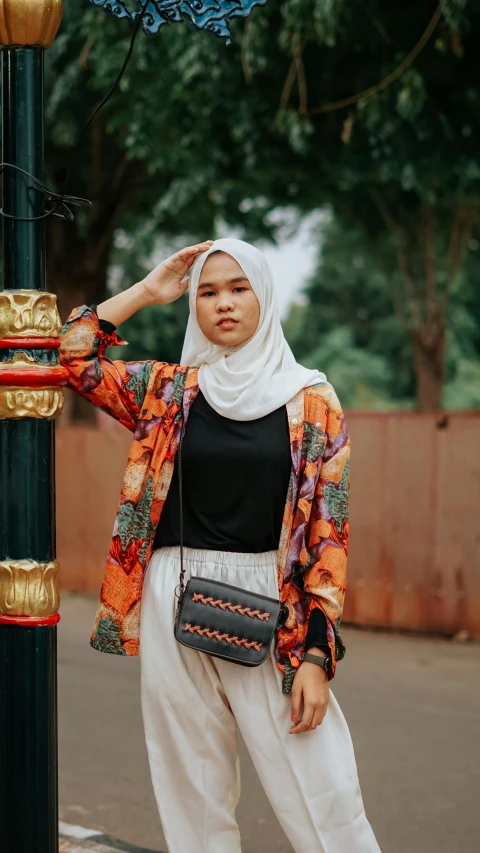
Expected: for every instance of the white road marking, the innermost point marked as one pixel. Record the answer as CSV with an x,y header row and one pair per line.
x,y
76,831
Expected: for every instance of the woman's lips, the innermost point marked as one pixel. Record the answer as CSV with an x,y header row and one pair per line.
x,y
227,324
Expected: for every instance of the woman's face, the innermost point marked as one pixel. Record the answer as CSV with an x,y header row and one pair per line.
x,y
228,312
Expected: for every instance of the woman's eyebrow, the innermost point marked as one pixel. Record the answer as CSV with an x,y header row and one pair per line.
x,y
230,281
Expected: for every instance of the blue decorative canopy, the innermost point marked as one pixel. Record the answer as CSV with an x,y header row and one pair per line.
x,y
213,15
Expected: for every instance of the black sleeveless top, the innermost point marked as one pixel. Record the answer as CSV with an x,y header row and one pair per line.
x,y
235,483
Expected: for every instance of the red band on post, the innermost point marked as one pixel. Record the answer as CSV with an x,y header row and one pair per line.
x,y
33,377
30,621
33,341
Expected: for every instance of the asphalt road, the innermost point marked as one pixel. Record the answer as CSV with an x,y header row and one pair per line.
x,y
413,707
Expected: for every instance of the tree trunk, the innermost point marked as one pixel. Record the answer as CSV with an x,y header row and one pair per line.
x,y
429,371
422,309
78,255
77,286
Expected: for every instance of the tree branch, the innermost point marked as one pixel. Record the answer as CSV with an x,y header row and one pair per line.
x,y
390,78
427,241
84,54
111,216
288,85
464,217
113,192
302,82
98,181
397,306
244,51
403,258
296,71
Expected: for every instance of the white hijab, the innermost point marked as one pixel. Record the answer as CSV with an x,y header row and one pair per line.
x,y
255,378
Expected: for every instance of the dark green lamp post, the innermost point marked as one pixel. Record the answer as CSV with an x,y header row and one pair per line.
x,y
31,396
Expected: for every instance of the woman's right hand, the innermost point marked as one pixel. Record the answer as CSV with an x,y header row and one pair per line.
x,y
164,284
168,280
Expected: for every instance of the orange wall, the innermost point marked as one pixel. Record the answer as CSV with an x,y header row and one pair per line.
x,y
414,559
90,465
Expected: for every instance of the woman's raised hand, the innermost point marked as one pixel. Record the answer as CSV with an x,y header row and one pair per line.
x,y
168,280
164,284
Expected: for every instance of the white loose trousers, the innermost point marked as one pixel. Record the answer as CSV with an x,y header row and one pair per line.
x,y
192,704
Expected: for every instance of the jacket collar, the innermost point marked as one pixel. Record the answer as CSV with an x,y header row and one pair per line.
x,y
296,415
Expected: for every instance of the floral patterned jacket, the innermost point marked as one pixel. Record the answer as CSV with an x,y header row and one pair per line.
x,y
147,397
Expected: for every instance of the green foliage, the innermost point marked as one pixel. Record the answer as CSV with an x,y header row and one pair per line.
x,y
155,332
462,386
347,328
199,133
463,391
360,378
205,118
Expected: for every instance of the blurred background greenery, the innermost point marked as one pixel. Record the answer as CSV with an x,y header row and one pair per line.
x,y
365,110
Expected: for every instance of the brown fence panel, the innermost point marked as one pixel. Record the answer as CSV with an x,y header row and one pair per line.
x,y
414,559
90,466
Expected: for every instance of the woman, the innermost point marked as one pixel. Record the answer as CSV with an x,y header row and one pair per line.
x,y
265,481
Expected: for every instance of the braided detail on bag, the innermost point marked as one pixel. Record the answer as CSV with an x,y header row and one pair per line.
x,y
224,638
227,605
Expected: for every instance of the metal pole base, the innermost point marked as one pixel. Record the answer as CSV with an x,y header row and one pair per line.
x,y
28,736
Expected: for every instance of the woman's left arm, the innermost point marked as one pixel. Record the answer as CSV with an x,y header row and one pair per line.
x,y
325,578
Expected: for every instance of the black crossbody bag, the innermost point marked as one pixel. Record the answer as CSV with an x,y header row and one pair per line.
x,y
222,620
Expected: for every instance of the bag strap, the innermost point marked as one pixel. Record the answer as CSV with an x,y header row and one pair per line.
x,y
180,498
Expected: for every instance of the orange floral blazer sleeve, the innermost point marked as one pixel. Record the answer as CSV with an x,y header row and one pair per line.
x,y
116,387
314,541
327,537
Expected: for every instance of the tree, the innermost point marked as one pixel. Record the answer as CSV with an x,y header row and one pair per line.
x,y
199,132
347,327
406,169
137,162
150,159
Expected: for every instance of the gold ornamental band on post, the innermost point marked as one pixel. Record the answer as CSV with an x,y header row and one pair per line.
x,y
31,402
29,23
29,389
27,313
28,588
